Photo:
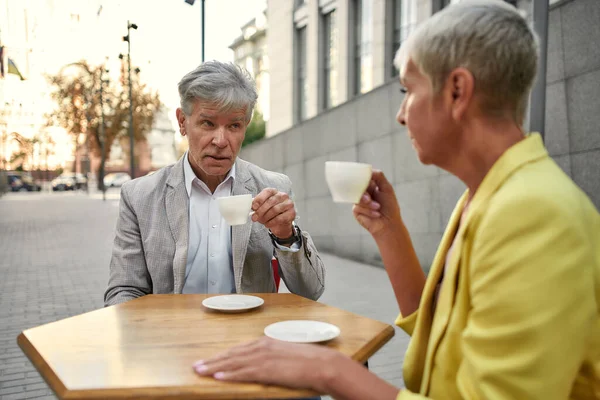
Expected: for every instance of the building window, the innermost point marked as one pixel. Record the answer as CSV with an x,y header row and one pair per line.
x,y
299,3
330,49
363,54
448,2
396,31
404,21
301,82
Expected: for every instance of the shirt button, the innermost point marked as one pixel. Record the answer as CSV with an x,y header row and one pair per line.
x,y
212,255
214,226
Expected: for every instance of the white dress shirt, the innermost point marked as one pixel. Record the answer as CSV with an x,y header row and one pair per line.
x,y
209,267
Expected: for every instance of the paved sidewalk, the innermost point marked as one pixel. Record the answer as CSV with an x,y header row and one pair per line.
x,y
54,256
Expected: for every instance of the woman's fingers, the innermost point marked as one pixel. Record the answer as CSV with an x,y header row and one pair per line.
x,y
241,350
370,210
228,365
250,373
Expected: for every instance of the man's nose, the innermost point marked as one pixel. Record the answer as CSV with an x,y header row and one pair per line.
x,y
220,139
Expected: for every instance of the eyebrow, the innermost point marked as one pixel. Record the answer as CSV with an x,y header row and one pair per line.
x,y
209,116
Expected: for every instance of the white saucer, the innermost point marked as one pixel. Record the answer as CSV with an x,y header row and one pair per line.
x,y
302,331
232,302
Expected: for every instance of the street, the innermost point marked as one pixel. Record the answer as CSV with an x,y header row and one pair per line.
x,y
54,258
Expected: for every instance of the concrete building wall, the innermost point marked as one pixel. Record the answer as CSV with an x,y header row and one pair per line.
x,y
280,42
364,129
573,92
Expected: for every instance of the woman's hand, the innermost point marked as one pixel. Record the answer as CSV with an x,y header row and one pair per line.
x,y
378,211
299,366
268,361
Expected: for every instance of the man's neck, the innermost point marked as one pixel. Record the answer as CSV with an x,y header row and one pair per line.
x,y
482,146
211,181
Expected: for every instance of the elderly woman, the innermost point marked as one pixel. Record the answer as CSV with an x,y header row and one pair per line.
x,y
510,309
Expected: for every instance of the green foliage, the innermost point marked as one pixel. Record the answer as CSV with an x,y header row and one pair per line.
x,y
256,130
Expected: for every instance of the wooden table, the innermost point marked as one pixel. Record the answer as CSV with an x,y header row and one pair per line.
x,y
145,348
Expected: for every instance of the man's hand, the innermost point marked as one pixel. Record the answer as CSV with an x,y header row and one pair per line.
x,y
268,361
378,210
276,211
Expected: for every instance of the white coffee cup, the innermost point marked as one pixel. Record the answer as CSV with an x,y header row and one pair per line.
x,y
235,209
347,181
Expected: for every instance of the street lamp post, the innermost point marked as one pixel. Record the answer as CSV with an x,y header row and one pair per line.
x,y
131,141
102,133
191,3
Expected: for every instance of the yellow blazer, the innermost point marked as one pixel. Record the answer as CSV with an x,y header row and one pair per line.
x,y
518,311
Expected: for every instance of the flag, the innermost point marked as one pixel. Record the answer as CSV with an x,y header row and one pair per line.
x,y
12,69
2,61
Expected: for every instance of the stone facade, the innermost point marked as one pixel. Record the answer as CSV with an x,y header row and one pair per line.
x,y
364,129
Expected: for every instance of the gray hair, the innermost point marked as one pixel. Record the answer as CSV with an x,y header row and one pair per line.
x,y
226,85
489,38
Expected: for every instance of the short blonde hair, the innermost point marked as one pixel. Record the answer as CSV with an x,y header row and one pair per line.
x,y
489,38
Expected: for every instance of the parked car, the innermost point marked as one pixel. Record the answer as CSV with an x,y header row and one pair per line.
x,y
116,179
22,181
69,181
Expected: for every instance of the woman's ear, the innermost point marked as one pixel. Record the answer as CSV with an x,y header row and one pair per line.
x,y
461,85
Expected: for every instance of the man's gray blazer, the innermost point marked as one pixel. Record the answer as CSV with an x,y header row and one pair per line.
x,y
151,242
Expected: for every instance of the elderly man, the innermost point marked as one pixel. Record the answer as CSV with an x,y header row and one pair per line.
x,y
170,236
510,308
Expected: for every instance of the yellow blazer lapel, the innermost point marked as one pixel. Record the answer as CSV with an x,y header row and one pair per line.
x,y
448,289
415,359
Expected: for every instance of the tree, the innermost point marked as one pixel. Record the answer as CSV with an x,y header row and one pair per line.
x,y
256,129
25,152
78,110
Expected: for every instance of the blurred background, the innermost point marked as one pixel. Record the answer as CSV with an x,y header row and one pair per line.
x,y
65,69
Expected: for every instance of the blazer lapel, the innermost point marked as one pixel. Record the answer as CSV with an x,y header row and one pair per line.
x,y
420,351
240,234
441,316
177,207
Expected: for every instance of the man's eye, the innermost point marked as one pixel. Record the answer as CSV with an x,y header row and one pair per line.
x,y
206,123
403,90
236,126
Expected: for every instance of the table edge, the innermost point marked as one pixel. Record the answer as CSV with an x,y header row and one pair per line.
x,y
375,344
41,366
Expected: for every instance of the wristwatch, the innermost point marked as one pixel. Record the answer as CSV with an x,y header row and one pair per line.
x,y
296,236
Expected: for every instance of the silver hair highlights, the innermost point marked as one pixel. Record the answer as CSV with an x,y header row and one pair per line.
x,y
491,39
226,85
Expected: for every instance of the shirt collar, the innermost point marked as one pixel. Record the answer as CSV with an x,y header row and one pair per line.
x,y
190,176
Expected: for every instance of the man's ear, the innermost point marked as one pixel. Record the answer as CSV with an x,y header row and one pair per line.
x,y
460,87
181,120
